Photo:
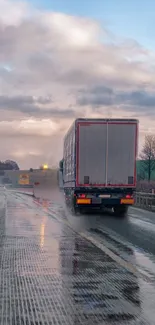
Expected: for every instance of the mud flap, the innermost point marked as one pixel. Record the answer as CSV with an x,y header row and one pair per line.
x,y
121,210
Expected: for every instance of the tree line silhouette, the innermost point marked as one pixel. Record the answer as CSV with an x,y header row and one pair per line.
x,y
8,165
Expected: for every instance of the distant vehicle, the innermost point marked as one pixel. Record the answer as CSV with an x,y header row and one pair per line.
x,y
99,164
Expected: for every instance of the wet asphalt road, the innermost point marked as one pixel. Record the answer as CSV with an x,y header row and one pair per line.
x,y
60,269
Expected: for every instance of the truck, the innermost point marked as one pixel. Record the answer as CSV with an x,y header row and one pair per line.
x,y
99,164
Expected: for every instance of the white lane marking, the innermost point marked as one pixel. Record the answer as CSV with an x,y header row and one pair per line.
x,y
115,257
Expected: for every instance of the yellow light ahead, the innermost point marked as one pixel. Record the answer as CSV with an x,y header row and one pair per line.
x,y
45,166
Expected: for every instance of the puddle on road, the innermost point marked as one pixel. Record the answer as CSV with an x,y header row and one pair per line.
x,y
143,261
146,263
143,224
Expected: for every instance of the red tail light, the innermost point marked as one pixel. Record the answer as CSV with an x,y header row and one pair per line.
x,y
82,195
129,196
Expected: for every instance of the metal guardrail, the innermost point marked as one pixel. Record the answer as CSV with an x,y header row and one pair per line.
x,y
145,200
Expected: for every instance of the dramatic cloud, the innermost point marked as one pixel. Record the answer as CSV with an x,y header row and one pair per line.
x,y
139,100
55,68
34,106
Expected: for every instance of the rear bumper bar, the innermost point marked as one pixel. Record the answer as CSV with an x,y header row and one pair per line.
x,y
103,202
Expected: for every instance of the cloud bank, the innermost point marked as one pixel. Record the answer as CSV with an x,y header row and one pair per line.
x,y
55,68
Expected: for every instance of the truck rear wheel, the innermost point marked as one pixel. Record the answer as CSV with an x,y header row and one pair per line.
x,y
121,211
75,209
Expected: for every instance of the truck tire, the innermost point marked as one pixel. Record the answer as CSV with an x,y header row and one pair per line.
x,y
75,210
121,211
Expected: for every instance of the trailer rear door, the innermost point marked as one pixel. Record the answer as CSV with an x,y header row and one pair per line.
x,y
106,153
121,163
91,154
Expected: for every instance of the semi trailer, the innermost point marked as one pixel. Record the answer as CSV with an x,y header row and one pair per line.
x,y
99,164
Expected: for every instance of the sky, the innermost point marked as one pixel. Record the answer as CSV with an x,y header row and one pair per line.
x,y
60,60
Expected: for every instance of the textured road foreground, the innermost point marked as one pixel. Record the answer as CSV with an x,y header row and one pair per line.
x,y
51,274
